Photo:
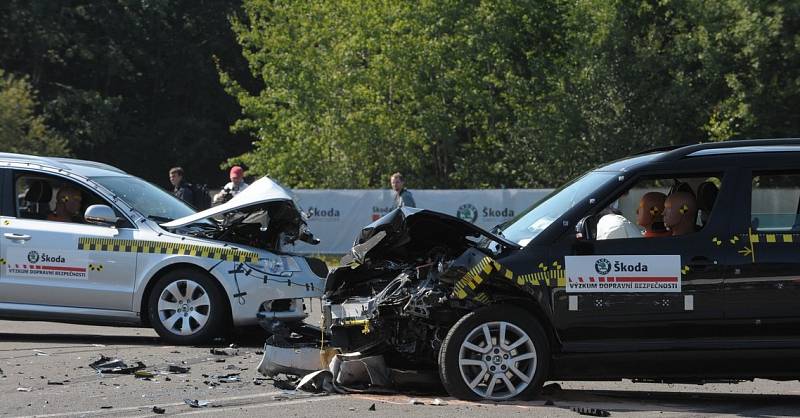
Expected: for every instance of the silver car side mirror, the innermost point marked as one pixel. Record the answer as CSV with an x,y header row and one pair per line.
x,y
100,215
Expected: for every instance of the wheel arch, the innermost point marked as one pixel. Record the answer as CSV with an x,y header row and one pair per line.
x,y
144,301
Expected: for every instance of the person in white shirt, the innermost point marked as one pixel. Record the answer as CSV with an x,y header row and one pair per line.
x,y
236,185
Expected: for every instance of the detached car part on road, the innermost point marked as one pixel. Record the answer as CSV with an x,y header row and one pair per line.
x,y
542,298
132,254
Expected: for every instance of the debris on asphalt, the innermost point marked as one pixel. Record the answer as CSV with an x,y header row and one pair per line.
x,y
106,407
438,402
144,374
159,411
115,366
549,402
22,389
229,351
174,368
416,402
194,403
40,353
593,412
298,360
55,382
286,384
229,378
371,408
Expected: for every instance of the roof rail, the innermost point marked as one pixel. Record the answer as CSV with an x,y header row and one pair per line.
x,y
660,149
681,152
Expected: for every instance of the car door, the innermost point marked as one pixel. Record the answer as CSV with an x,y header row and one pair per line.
x,y
638,293
44,260
764,290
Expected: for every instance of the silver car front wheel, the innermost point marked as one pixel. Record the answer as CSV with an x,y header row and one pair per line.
x,y
184,307
188,306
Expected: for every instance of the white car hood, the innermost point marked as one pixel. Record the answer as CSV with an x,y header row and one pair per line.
x,y
262,190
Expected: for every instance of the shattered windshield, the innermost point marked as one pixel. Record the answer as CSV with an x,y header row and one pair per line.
x,y
149,200
532,221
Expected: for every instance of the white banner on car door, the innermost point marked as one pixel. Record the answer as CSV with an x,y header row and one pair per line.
x,y
623,274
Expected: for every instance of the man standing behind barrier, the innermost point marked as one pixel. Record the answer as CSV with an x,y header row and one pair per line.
x,y
236,185
402,197
181,188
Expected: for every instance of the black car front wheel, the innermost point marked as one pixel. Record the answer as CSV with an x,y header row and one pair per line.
x,y
495,353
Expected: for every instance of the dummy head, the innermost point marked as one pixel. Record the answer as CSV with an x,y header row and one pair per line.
x,y
651,209
680,212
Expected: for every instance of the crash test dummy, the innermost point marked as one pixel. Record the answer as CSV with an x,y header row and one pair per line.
x,y
680,213
650,215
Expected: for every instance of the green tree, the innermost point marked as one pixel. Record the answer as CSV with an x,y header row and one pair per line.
x,y
131,82
356,90
21,129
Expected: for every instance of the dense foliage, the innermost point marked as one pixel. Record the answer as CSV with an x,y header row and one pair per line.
x,y
453,93
526,93
131,82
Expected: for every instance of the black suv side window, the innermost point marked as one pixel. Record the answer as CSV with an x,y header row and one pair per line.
x,y
775,202
659,207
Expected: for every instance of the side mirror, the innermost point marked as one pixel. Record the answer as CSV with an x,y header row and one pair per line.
x,y
100,215
582,229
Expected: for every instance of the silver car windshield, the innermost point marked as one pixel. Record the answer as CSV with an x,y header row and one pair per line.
x,y
531,222
148,199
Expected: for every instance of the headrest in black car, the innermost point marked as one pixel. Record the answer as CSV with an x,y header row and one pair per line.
x,y
706,195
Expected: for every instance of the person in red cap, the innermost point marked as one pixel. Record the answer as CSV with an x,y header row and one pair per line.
x,y
236,185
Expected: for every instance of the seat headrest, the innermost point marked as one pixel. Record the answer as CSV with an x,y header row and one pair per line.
x,y
39,191
706,195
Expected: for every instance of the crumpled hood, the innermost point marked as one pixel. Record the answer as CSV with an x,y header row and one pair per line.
x,y
263,190
406,230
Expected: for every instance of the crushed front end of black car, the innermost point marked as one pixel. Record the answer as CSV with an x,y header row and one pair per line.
x,y
409,277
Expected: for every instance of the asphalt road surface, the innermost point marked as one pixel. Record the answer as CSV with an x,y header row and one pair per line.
x,y
45,372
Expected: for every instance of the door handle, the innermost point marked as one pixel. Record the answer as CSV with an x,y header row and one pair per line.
x,y
16,237
701,263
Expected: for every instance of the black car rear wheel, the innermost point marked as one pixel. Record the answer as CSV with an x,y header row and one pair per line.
x,y
495,353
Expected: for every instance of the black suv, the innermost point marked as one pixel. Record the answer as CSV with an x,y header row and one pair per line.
x,y
675,265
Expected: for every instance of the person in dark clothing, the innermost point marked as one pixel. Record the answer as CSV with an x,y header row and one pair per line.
x,y
402,197
180,187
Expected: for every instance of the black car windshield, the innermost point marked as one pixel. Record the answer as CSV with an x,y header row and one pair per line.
x,y
150,200
532,221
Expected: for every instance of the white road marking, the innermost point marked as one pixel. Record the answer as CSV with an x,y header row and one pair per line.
x,y
149,406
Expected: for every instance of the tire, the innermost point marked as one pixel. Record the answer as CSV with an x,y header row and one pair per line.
x,y
466,360
186,307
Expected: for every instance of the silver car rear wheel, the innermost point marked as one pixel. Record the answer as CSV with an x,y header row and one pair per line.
x,y
497,360
184,307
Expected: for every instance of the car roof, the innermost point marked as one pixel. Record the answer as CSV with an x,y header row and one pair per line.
x,y
84,168
680,152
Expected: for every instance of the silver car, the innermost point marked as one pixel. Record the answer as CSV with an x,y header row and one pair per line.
x,y
86,242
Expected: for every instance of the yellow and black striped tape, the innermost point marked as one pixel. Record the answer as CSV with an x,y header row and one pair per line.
x,y
487,267
155,247
774,238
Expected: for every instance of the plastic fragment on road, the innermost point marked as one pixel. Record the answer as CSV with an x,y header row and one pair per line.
x,y
232,350
174,368
23,389
298,361
159,411
438,402
194,403
593,412
115,366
